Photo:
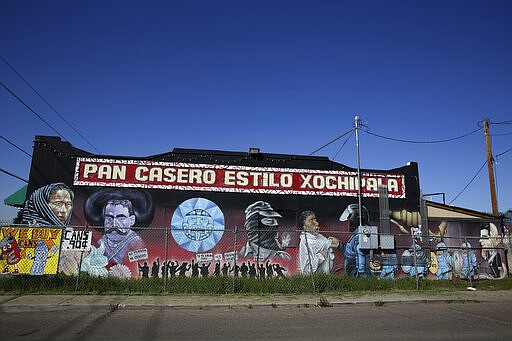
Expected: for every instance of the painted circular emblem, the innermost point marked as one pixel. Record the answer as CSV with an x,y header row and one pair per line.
x,y
197,225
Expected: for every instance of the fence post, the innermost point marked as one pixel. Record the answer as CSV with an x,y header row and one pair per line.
x,y
469,262
507,254
235,258
415,261
166,262
310,264
79,266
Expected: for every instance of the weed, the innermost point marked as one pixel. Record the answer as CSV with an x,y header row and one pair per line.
x,y
324,303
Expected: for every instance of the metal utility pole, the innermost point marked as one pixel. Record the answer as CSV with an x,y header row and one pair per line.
x,y
356,124
490,167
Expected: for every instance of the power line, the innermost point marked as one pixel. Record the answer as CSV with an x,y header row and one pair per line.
x,y
497,123
13,175
477,173
480,123
470,182
15,146
29,108
331,142
505,152
343,145
421,142
40,96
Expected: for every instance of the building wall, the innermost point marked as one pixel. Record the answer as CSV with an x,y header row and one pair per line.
x,y
215,207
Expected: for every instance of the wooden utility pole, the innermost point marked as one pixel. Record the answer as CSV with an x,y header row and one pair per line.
x,y
490,167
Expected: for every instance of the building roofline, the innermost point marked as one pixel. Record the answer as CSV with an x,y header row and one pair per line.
x,y
461,210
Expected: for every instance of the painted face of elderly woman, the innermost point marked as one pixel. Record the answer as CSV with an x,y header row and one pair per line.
x,y
61,204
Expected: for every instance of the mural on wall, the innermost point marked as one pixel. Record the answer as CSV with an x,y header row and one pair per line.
x,y
197,225
388,264
443,261
118,214
356,260
262,230
51,204
315,250
507,241
461,253
489,241
204,213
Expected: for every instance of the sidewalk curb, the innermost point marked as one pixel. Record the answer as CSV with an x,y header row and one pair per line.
x,y
289,305
8,306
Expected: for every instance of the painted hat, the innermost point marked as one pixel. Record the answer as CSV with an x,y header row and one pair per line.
x,y
142,202
263,209
259,231
351,213
441,246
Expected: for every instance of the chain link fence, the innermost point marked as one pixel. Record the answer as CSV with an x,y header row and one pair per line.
x,y
227,261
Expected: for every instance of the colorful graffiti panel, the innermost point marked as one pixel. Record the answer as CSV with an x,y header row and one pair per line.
x,y
31,251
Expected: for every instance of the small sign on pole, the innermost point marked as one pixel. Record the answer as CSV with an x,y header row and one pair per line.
x,y
76,240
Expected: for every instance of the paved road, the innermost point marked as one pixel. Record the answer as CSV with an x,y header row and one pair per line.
x,y
412,319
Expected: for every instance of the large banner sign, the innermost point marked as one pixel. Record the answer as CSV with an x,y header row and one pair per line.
x,y
235,179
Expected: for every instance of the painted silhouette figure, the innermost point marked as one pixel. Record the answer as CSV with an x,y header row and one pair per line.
x,y
172,267
183,268
225,268
262,269
244,269
163,269
270,270
204,269
155,268
195,269
252,270
144,269
216,272
235,270
279,270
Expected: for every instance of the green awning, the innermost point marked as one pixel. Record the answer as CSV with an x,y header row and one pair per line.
x,y
17,199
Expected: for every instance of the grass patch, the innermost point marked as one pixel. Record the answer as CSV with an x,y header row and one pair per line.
x,y
62,284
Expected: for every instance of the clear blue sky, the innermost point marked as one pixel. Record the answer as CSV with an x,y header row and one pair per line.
x,y
142,77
